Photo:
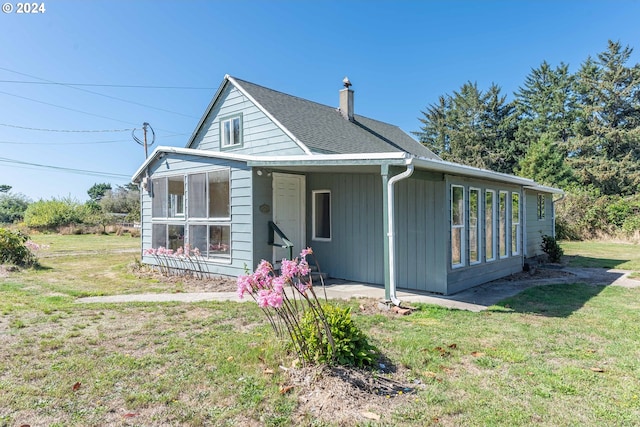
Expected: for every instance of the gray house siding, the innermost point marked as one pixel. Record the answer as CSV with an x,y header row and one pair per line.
x,y
259,134
535,227
241,237
420,236
355,251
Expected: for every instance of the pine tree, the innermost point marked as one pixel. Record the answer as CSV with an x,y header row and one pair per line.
x,y
606,151
472,127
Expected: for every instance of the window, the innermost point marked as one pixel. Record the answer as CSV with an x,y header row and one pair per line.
x,y
231,131
540,206
176,196
474,226
457,225
170,236
502,224
203,212
209,195
219,201
489,224
515,223
159,194
321,209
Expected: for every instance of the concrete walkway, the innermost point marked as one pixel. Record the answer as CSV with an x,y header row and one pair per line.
x,y
474,299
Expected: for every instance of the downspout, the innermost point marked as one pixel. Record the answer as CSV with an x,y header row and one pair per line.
x,y
391,222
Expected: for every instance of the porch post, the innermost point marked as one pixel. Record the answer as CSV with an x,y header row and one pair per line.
x,y
384,171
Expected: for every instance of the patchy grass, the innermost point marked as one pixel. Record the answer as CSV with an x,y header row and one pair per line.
x,y
557,355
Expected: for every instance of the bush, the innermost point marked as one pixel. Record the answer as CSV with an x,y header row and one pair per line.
x,y
14,249
585,214
350,347
551,247
12,207
51,214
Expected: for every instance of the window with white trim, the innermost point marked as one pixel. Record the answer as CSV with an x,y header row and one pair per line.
x,y
231,131
489,225
457,226
321,211
515,223
540,206
204,216
474,225
502,225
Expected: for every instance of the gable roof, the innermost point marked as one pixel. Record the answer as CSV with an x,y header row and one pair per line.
x,y
321,129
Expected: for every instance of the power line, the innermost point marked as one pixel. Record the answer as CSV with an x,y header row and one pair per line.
x,y
62,143
108,85
65,130
100,94
13,163
66,108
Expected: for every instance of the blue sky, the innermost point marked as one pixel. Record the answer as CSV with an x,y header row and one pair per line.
x,y
399,55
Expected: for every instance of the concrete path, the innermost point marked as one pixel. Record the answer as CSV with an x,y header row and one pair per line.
x,y
474,299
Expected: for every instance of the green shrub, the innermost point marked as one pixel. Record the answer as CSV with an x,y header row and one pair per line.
x,y
551,247
350,344
14,250
51,214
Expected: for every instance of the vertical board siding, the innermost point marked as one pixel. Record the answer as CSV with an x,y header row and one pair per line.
x,y
241,208
355,251
260,134
534,227
419,235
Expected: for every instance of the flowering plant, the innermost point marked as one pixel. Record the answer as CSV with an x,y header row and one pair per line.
x,y
182,261
285,298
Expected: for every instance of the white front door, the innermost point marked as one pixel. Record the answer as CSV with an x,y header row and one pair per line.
x,y
288,212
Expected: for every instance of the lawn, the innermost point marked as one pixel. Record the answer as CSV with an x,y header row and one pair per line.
x,y
624,256
557,355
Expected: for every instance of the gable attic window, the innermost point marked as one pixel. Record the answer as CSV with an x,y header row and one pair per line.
x,y
231,131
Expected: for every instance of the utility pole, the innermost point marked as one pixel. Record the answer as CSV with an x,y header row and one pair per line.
x,y
144,142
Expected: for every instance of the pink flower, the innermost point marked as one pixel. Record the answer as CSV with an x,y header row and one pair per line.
x,y
278,284
306,252
244,285
303,268
289,269
303,286
180,251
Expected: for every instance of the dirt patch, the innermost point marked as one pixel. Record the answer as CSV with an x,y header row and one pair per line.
x,y
345,396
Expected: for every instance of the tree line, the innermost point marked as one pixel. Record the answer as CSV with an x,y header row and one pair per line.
x,y
106,206
569,130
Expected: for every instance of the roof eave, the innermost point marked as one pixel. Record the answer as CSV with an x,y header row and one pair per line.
x,y
470,171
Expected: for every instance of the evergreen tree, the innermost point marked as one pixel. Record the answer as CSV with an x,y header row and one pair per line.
x,y
472,127
545,163
606,151
546,104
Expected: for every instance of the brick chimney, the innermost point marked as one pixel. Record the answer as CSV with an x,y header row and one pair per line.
x,y
346,100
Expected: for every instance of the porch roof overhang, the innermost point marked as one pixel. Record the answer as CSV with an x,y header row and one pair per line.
x,y
354,163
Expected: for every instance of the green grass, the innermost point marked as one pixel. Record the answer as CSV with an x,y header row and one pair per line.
x,y
557,355
625,256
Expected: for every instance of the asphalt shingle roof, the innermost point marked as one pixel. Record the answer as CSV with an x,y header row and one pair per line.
x,y
324,130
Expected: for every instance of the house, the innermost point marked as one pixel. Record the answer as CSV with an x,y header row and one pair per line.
x,y
375,205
